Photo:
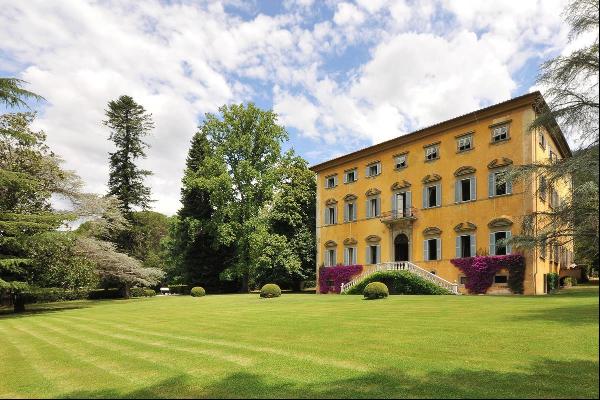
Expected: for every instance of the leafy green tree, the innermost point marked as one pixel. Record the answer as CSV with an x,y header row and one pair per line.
x,y
128,122
240,175
144,236
572,82
284,246
12,93
195,254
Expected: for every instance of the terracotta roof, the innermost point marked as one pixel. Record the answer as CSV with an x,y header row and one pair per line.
x,y
529,98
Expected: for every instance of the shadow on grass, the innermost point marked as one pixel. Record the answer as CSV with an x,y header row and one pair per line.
x,y
43,308
547,379
568,314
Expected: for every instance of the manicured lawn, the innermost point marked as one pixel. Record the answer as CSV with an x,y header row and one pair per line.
x,y
305,346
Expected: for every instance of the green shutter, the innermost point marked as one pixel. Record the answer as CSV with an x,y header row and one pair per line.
x,y
473,245
457,191
491,184
425,250
492,244
458,247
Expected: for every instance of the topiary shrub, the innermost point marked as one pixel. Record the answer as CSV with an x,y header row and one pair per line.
x,y
198,291
399,282
376,290
270,290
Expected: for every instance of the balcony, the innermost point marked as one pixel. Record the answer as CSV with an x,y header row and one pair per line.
x,y
400,217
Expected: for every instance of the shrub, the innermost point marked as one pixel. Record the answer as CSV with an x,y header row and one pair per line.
x,y
270,290
553,281
112,293
400,282
376,290
179,289
331,278
149,292
569,281
198,291
51,295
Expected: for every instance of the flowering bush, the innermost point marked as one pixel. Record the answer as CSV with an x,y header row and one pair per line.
x,y
331,278
480,271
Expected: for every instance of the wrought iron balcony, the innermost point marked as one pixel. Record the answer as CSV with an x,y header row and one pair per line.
x,y
407,215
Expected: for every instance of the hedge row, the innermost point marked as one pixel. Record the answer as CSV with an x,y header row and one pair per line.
x,y
52,295
141,292
400,282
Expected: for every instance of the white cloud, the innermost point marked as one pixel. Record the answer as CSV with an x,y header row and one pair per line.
x,y
419,63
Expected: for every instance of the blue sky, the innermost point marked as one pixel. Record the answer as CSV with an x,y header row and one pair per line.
x,y
342,75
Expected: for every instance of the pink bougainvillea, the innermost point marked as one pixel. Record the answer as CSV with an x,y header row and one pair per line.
x,y
331,278
480,271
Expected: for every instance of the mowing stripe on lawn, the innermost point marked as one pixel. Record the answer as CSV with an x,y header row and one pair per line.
x,y
130,360
239,360
218,342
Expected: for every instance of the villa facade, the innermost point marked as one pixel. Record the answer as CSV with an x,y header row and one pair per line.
x,y
438,194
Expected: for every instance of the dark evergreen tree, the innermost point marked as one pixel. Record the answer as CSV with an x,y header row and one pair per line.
x,y
129,123
196,256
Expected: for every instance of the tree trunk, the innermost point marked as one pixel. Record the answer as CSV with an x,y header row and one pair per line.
x,y
19,303
296,285
244,288
125,290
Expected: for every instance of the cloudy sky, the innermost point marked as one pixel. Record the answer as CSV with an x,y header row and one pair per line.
x,y
341,75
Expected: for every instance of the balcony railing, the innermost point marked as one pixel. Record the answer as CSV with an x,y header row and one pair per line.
x,y
407,215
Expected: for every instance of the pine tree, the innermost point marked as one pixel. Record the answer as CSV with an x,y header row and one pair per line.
x,y
195,253
129,123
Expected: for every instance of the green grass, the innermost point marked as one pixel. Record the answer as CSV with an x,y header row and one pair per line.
x,y
305,346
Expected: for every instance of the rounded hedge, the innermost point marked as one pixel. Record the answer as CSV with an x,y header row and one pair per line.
x,y
376,290
149,292
270,290
198,291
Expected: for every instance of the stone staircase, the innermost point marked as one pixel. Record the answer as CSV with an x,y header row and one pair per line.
x,y
402,266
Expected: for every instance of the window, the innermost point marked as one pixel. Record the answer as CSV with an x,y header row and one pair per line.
x,y
498,185
500,279
542,140
553,157
350,256
402,203
373,254
465,189
543,188
465,246
432,249
463,280
330,182
432,153
465,143
401,161
350,176
499,133
373,169
555,253
349,212
331,215
432,196
330,257
498,245
373,207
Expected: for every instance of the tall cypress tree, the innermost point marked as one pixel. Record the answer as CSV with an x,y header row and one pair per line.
x,y
193,246
129,123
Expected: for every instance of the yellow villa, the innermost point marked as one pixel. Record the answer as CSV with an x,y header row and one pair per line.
x,y
437,194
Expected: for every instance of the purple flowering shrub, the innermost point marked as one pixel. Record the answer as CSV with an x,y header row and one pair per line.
x,y
331,278
480,271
